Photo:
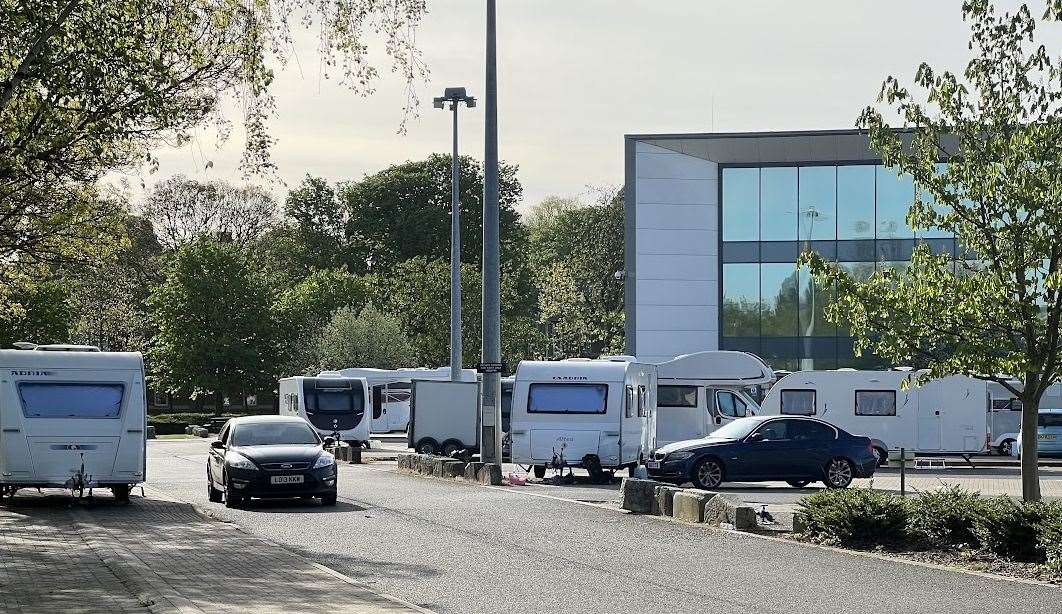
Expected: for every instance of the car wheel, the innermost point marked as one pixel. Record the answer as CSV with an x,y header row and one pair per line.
x,y
427,446
540,471
707,474
798,483
231,498
213,494
451,447
1007,447
839,473
881,457
329,500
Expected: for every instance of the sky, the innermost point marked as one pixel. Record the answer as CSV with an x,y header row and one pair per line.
x,y
576,75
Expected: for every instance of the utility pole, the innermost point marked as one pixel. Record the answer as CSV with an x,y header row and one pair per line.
x,y
455,96
490,422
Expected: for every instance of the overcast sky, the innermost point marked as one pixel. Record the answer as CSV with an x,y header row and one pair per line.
x,y
576,75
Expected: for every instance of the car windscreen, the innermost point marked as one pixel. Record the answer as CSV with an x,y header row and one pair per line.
x,y
273,434
737,429
70,400
1049,420
567,398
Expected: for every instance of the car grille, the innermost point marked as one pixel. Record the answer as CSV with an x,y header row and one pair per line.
x,y
285,466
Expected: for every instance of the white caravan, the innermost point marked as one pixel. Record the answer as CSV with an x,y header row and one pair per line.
x,y
334,405
580,413
698,393
391,389
72,419
949,414
1005,421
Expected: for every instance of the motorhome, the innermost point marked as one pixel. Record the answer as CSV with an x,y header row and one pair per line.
x,y
698,393
943,415
580,413
72,417
336,406
391,389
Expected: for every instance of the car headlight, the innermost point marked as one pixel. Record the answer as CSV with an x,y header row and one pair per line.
x,y
676,456
324,460
239,461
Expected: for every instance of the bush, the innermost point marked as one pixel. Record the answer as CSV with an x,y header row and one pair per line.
x,y
1010,528
1050,535
184,418
944,517
855,517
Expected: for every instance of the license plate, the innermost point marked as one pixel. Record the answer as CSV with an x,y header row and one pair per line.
x,y
1046,436
653,464
286,479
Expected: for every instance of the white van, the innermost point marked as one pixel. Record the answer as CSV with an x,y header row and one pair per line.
x,y
72,419
335,406
391,389
698,393
949,414
580,413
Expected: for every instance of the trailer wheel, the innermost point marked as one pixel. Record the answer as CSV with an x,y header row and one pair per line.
x,y
427,446
121,493
1006,447
540,471
452,447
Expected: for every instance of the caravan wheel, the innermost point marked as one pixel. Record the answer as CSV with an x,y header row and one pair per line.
x,y
427,446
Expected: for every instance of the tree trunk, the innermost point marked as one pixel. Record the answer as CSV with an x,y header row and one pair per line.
x,y
1030,470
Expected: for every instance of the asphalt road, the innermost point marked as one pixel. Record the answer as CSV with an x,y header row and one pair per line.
x,y
457,548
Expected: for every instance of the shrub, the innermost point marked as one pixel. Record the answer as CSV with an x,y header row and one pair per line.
x,y
183,418
944,517
1050,535
1010,528
855,517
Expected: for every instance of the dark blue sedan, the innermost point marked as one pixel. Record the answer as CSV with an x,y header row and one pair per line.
x,y
767,448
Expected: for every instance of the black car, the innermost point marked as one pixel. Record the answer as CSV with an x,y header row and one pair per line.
x,y
270,457
766,448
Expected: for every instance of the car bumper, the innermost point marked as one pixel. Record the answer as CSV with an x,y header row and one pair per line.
x,y
866,468
670,471
259,484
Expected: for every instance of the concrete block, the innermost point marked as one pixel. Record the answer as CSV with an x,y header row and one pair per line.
x,y
403,462
453,469
688,504
664,499
150,433
638,495
728,509
490,473
472,471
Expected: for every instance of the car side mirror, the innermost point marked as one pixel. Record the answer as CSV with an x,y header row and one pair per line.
x,y
217,445
329,442
755,437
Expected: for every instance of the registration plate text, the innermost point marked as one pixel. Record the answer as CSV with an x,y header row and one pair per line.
x,y
286,479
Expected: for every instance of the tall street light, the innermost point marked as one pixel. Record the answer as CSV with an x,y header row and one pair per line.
x,y
455,96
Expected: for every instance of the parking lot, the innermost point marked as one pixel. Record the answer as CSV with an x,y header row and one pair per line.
x,y
452,547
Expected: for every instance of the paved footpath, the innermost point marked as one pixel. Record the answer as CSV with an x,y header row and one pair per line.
x,y
57,555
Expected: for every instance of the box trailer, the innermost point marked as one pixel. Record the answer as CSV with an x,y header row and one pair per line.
x,y
698,393
335,406
945,415
444,417
391,389
72,418
580,413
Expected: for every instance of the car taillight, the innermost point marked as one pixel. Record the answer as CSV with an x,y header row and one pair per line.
x,y
870,446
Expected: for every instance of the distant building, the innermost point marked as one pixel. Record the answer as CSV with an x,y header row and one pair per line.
x,y
715,223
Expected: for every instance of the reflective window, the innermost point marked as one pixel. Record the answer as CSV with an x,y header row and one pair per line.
x,y
730,404
813,297
809,430
55,400
818,203
741,204
778,204
567,398
798,402
778,289
927,197
855,202
875,402
895,193
775,430
676,396
741,300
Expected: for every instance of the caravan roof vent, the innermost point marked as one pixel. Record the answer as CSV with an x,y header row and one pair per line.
x,y
24,345
905,369
60,347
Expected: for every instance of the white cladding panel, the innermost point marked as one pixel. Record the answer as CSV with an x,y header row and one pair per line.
x,y
676,318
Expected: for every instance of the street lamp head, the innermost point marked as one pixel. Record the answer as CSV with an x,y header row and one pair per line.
x,y
454,93
439,103
471,102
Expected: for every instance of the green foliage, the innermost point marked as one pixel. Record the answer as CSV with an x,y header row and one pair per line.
x,y
944,517
1050,536
368,338
215,330
999,310
855,517
302,310
183,209
180,418
1010,528
38,310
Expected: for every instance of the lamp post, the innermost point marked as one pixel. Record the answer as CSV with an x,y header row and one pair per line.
x,y
455,96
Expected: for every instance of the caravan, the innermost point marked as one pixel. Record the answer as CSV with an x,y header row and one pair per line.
x,y
391,390
949,414
72,417
580,413
698,393
336,406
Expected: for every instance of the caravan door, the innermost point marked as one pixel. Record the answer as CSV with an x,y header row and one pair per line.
x,y
930,405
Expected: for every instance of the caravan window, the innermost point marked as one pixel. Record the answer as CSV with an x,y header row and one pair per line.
x,y
676,396
54,400
875,402
798,402
628,405
1006,404
642,394
567,398
730,405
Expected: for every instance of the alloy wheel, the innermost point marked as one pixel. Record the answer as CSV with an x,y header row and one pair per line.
x,y
839,473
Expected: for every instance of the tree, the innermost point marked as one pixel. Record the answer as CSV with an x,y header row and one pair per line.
x,y
312,235
91,87
404,211
215,331
40,311
998,309
304,309
368,338
183,209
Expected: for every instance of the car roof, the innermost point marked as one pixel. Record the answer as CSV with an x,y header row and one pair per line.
x,y
264,419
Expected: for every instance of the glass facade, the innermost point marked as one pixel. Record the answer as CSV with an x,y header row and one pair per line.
x,y
852,214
